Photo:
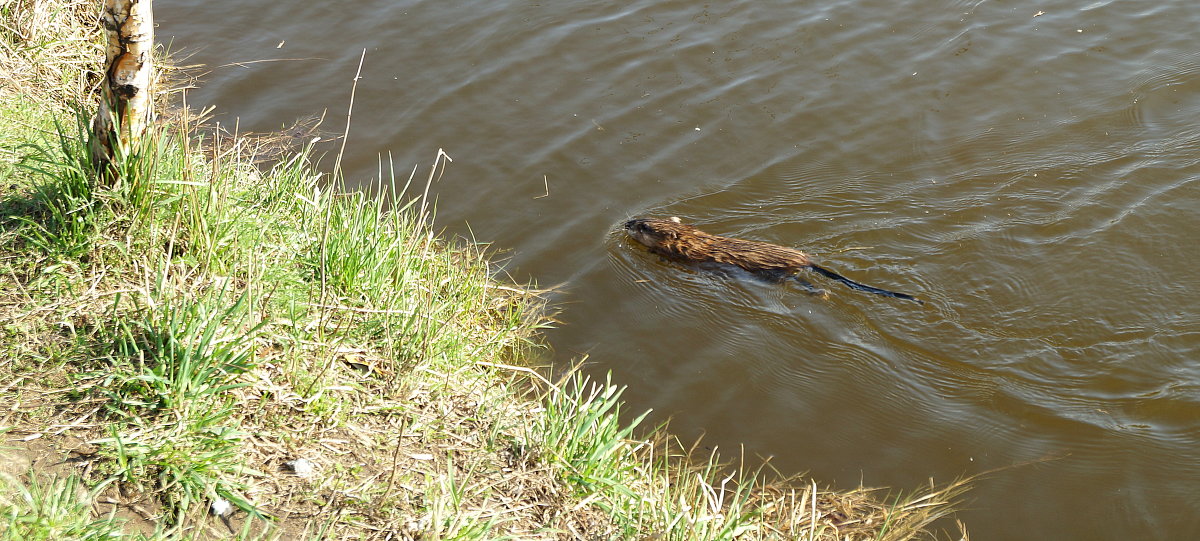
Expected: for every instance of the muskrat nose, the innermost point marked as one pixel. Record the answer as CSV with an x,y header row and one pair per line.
x,y
630,224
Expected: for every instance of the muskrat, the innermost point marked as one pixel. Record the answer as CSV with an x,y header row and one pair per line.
x,y
672,238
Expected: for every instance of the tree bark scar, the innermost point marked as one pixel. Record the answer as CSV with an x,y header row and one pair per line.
x,y
109,19
128,28
124,74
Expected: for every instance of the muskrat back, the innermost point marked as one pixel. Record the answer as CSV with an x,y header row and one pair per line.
x,y
670,237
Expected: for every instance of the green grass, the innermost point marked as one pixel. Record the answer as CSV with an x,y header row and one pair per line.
x,y
37,509
177,356
63,220
183,333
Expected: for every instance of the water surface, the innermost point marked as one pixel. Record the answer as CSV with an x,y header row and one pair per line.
x,y
1029,168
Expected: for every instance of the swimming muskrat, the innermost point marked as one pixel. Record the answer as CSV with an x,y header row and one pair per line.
x,y
674,239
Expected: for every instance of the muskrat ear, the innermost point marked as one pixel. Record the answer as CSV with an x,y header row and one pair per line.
x,y
676,219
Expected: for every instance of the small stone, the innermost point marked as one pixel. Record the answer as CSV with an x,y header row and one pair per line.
x,y
220,507
300,467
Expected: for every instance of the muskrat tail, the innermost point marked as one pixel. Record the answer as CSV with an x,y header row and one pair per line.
x,y
863,287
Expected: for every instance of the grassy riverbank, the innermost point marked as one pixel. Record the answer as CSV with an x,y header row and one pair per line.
x,y
214,329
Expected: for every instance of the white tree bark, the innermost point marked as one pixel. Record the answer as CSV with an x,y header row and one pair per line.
x,y
126,97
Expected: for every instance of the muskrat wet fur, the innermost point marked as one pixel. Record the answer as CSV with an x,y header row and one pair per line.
x,y
671,238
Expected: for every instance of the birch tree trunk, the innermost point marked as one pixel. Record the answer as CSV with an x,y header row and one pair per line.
x,y
126,100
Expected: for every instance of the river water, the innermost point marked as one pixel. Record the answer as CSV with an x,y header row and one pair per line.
x,y
1030,168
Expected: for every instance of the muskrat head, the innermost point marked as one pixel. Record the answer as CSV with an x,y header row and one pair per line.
x,y
653,231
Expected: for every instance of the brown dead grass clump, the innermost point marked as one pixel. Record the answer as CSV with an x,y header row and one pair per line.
x,y
46,52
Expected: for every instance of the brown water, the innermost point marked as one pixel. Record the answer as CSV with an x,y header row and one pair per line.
x,y
1034,177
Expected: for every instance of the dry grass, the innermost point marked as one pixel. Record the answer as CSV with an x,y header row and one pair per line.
x,y
45,52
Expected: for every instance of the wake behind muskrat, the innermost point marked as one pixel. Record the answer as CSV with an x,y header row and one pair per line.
x,y
669,237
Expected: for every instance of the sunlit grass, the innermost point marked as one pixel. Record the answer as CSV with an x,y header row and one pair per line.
x,y
51,509
62,220
168,358
48,50
656,485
